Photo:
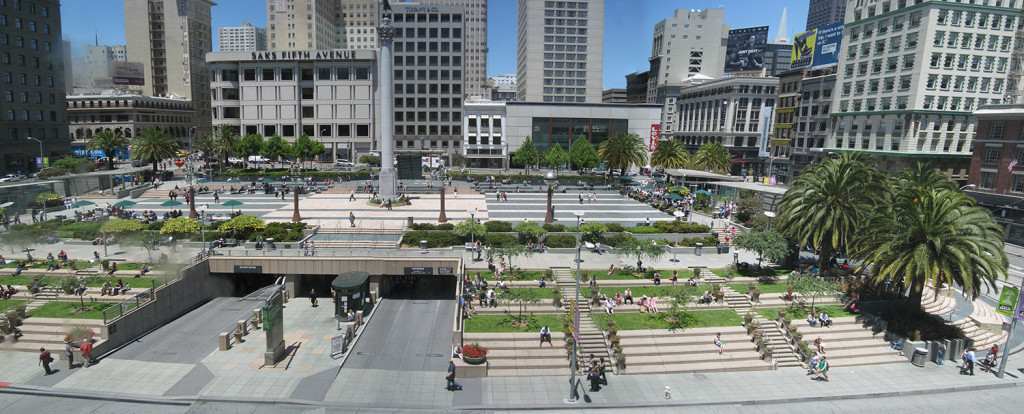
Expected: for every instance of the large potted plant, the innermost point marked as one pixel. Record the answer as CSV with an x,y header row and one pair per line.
x,y
556,297
755,295
752,326
474,354
747,319
620,361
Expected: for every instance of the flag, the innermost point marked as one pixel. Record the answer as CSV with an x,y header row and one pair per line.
x,y
1013,163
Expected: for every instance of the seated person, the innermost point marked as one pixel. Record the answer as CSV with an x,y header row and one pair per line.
x,y
825,321
118,287
127,287
53,265
16,334
812,320
81,290
611,269
541,282
11,291
351,316
49,257
609,306
21,266
643,304
540,247
145,269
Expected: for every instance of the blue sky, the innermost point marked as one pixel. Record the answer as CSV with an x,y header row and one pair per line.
x,y
629,26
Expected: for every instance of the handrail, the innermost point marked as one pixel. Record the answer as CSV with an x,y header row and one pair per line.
x,y
140,299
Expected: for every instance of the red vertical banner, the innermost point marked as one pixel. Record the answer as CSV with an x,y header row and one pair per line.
x,y
655,134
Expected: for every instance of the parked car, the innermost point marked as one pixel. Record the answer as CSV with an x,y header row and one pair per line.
x,y
598,171
8,178
234,160
137,163
258,159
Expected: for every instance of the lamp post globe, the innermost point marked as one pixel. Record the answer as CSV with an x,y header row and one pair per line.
x,y
550,179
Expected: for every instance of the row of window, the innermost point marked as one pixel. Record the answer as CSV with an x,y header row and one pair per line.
x,y
560,98
323,130
287,74
20,42
129,118
19,25
424,116
422,88
428,47
564,48
73,104
23,79
895,43
43,10
427,18
434,130
960,83
564,65
26,115
23,97
566,5
565,22
431,33
978,41
897,23
968,62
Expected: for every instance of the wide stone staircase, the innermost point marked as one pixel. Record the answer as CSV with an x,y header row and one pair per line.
x,y
850,342
357,237
520,355
592,341
984,326
49,333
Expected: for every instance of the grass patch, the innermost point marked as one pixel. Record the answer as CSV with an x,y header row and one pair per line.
x,y
9,304
800,312
69,310
541,293
20,280
651,291
517,275
634,275
503,323
693,319
765,288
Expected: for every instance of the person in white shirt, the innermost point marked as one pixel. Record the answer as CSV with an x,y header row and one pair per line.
x,y
545,335
609,306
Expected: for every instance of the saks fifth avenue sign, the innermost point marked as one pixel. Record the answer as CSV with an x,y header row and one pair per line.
x,y
337,54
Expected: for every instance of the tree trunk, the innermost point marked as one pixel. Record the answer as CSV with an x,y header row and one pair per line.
x,y
823,258
110,161
155,167
913,304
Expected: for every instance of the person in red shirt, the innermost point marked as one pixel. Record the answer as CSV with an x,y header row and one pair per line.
x,y
86,349
45,359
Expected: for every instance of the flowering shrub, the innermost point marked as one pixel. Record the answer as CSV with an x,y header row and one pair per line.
x,y
79,333
474,351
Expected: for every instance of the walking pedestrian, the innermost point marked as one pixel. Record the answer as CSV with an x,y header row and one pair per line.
x,y
45,359
312,297
352,196
822,369
216,197
69,351
351,219
451,385
86,349
940,353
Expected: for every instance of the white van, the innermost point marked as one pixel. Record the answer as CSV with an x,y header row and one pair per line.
x,y
258,159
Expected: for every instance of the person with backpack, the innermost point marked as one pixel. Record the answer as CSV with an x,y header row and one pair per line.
x,y
822,369
45,359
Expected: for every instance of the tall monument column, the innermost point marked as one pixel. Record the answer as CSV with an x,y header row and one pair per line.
x,y
385,33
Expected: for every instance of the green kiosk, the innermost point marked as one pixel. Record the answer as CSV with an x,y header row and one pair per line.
x,y
350,292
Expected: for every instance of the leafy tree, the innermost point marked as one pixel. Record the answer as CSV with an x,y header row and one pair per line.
x,y
370,159
304,147
555,156
225,138
526,155
582,154
930,238
109,142
511,252
458,160
747,207
180,226
829,201
713,157
521,297
622,151
153,144
640,249
593,232
922,177
813,286
73,164
148,240
121,226
317,149
244,222
768,244
249,145
671,153
529,230
276,148
207,144
469,226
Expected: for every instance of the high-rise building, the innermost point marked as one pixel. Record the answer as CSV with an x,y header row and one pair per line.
x,y
614,95
636,87
560,48
244,38
801,120
475,42
912,74
825,12
357,23
429,77
33,104
302,24
171,40
689,43
119,53
98,60
506,79
776,58
69,75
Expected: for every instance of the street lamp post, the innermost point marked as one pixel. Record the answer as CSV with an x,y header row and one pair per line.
x,y
472,226
575,307
40,152
321,140
770,215
550,179
202,229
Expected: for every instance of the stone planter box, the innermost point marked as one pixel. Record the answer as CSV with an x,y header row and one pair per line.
x,y
474,361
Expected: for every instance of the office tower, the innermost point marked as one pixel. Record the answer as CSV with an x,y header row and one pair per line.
x,y
776,58
244,38
911,75
636,87
302,24
614,95
98,61
689,43
33,102
801,120
357,23
171,40
476,42
560,48
429,81
119,53
825,12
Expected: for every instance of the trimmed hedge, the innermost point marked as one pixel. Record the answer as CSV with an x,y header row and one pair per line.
x,y
615,227
560,241
434,239
500,240
554,228
494,226
618,239
429,226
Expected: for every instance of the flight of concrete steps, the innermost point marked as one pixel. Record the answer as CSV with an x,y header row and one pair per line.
x,y
520,354
692,350
381,238
592,340
721,232
850,342
783,352
938,302
48,333
983,326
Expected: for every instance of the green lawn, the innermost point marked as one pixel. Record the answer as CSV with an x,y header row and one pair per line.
x,y
765,288
6,305
693,319
517,275
502,323
663,291
21,280
67,309
751,272
800,313
540,293
633,275
90,281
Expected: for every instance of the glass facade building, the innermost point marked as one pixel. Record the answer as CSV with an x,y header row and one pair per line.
x,y
550,131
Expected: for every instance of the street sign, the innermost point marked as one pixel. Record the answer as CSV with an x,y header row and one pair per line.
x,y
1007,300
337,344
1020,308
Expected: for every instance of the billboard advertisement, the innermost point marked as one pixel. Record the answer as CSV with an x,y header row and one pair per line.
x,y
803,49
745,50
827,45
655,134
1007,300
128,73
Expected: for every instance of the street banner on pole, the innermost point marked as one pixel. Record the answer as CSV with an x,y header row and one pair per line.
x,y
1019,310
575,322
1007,300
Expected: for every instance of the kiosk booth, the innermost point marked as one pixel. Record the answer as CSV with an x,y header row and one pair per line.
x,y
350,290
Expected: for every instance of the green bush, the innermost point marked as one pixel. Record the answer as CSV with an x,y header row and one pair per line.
x,y
554,228
560,241
680,227
644,230
618,239
434,239
210,235
156,225
82,230
429,226
497,240
592,232
498,227
52,172
707,240
615,227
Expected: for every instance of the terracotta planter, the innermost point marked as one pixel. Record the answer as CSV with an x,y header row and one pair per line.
x,y
474,361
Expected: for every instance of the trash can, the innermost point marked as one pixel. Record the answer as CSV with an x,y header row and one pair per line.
x,y
919,357
409,221
696,250
423,244
270,244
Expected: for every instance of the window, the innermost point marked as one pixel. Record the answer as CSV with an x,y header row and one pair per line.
x,y
1017,183
268,74
249,74
988,180
996,131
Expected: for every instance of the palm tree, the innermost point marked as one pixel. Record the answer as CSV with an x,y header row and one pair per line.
x,y
153,144
713,157
109,142
225,138
923,177
828,202
207,144
622,151
935,236
670,154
